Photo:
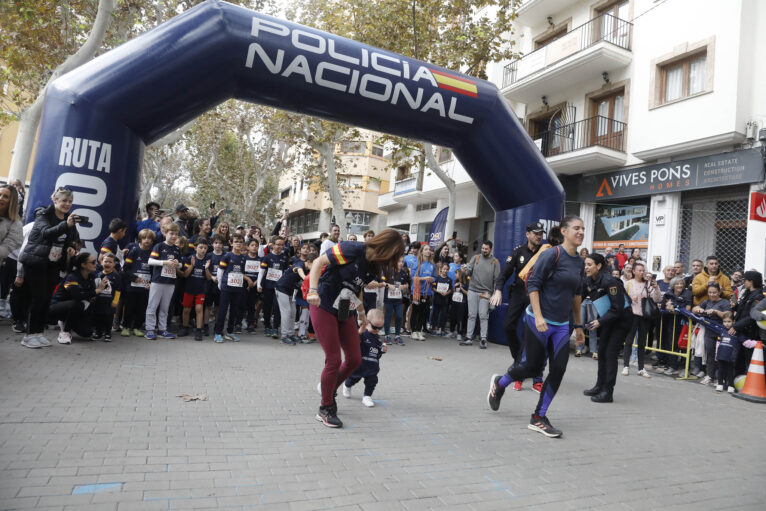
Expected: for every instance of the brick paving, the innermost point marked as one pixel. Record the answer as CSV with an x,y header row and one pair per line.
x,y
98,426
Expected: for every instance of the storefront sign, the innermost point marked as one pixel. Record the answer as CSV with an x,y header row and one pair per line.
x,y
738,167
628,224
758,206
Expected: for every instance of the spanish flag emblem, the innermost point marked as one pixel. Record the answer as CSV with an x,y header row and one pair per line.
x,y
338,253
455,83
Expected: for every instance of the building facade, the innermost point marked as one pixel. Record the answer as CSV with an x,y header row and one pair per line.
x,y
652,115
363,174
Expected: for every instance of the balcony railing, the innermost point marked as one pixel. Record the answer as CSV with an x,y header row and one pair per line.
x,y
410,184
595,131
605,27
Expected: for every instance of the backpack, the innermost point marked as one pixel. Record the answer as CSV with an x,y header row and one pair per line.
x,y
532,269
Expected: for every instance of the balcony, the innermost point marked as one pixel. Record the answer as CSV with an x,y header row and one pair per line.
x,y
591,144
410,184
600,45
532,12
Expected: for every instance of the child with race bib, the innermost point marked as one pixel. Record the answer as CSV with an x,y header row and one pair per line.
x,y
138,275
231,280
165,261
196,273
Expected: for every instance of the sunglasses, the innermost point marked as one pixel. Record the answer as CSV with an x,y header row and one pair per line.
x,y
376,327
92,262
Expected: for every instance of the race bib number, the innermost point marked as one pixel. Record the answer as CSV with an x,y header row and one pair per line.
x,y
273,274
395,294
168,272
108,289
457,297
141,283
353,305
442,287
235,279
55,253
252,266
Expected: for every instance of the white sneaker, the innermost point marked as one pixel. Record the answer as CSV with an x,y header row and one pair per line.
x,y
421,336
644,373
30,341
65,338
368,402
700,373
42,341
459,338
706,380
625,371
670,371
719,388
730,390
346,391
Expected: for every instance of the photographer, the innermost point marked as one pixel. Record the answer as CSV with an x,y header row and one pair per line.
x,y
51,242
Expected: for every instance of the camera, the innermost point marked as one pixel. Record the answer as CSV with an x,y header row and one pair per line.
x,y
82,219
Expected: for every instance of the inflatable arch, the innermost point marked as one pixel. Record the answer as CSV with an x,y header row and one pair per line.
x,y
98,118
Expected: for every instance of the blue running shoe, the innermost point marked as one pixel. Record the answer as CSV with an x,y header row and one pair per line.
x,y
167,335
231,337
218,338
150,335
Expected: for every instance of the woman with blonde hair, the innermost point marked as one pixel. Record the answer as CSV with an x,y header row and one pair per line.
x,y
50,244
11,237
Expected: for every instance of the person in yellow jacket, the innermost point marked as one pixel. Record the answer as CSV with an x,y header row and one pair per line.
x,y
710,274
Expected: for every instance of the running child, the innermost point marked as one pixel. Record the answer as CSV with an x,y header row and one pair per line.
x,y
252,269
372,349
273,265
196,274
231,280
106,300
442,291
138,275
164,261
213,293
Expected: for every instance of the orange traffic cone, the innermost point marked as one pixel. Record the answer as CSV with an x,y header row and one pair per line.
x,y
755,383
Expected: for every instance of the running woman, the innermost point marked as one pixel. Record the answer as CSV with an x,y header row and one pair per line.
x,y
334,299
554,281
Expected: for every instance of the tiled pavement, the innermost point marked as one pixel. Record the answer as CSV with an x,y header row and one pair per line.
x,y
99,426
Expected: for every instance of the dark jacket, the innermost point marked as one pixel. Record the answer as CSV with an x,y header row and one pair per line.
x,y
743,323
45,231
757,313
606,285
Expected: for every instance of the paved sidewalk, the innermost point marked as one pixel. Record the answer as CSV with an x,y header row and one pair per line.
x,y
98,426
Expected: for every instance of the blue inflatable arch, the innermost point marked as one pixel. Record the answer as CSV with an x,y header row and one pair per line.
x,y
98,118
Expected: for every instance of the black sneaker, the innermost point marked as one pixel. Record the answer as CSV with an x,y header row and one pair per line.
x,y
107,337
250,329
19,327
183,331
495,392
197,334
483,344
96,336
543,425
327,415
206,330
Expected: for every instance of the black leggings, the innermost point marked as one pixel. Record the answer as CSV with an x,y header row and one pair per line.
x,y
420,311
270,306
135,309
41,281
642,326
7,276
74,315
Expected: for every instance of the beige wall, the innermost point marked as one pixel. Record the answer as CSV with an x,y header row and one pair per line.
x,y
7,141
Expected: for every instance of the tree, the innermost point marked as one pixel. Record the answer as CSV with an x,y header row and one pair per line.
x,y
463,35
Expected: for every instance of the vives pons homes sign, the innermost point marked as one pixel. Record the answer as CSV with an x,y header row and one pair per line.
x,y
738,167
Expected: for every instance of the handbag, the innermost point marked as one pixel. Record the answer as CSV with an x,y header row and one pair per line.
x,y
649,308
683,337
590,313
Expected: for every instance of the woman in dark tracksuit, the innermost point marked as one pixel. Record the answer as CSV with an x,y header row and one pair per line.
x,y
612,325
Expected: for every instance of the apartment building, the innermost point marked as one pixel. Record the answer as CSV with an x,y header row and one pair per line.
x,y
651,113
363,174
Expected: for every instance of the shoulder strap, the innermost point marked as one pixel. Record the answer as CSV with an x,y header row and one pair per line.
x,y
476,259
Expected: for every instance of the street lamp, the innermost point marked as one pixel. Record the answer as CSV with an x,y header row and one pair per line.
x,y
349,219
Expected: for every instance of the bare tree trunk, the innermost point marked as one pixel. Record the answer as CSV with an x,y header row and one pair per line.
x,y
448,182
327,152
30,119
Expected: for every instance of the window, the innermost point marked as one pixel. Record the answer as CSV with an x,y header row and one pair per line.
x,y
285,193
307,222
402,172
352,147
444,155
425,207
684,78
377,150
549,38
373,185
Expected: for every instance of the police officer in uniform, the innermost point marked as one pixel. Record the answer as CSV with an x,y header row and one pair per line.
x,y
612,324
518,299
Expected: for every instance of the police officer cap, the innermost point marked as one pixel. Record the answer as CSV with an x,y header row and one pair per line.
x,y
535,227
